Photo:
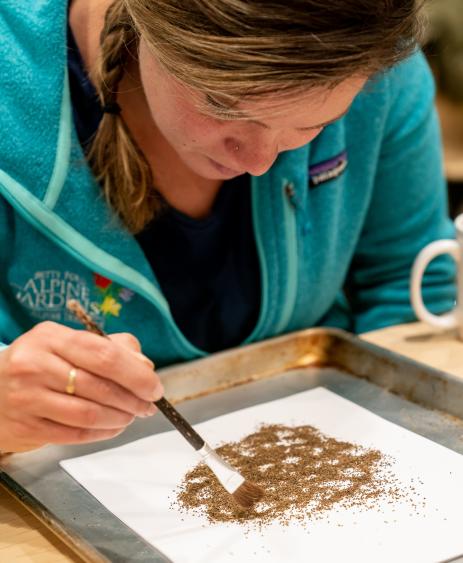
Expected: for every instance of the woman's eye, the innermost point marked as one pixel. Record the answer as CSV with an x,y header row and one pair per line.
x,y
215,103
221,111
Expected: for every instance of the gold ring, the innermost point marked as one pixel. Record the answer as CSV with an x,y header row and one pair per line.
x,y
71,385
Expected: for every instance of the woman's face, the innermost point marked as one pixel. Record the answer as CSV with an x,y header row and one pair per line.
x,y
222,149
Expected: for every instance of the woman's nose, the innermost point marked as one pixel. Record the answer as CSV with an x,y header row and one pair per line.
x,y
255,157
259,161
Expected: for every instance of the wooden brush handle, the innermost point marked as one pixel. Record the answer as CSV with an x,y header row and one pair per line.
x,y
163,404
170,412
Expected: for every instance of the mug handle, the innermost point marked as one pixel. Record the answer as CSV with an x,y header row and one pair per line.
x,y
448,320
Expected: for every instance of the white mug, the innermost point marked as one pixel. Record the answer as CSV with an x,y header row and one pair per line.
x,y
453,319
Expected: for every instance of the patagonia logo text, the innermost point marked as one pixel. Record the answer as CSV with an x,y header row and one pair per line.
x,y
327,170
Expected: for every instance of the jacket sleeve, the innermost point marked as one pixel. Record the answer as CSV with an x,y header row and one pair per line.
x,y
408,209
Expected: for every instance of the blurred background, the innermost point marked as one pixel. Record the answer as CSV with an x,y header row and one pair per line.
x,y
444,49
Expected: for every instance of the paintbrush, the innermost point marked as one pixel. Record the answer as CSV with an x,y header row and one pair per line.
x,y
244,492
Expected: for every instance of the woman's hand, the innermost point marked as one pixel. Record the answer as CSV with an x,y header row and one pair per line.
x,y
114,383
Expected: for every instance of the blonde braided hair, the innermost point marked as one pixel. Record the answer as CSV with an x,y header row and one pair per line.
x,y
114,156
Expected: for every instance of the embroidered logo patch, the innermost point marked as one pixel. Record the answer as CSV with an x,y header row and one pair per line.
x,y
110,294
327,170
46,293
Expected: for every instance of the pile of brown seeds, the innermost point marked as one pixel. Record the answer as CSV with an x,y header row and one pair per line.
x,y
304,474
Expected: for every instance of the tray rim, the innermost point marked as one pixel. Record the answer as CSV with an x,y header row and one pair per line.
x,y
318,356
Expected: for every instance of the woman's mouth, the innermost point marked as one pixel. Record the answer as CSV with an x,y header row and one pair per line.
x,y
229,172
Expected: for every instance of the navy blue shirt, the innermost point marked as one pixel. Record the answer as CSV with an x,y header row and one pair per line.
x,y
207,268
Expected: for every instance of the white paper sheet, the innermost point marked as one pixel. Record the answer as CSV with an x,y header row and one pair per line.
x,y
137,483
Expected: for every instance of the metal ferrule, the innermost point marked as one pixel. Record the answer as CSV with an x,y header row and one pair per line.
x,y
229,477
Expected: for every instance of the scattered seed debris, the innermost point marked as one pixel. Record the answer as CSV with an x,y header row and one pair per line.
x,y
304,473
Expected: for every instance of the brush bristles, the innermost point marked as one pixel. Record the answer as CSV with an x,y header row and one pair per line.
x,y
247,494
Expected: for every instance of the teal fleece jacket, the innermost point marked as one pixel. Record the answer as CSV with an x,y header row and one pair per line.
x,y
351,229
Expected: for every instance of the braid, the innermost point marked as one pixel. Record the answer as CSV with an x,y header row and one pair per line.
x,y
116,160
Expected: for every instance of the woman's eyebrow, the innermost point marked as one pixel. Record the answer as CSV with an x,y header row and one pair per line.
x,y
307,128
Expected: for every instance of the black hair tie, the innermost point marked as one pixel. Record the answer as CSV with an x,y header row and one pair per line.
x,y
113,108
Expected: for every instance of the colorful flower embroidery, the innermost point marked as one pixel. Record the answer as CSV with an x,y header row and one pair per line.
x,y
101,281
109,293
126,294
110,306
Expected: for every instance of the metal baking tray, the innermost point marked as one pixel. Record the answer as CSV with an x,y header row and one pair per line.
x,y
424,400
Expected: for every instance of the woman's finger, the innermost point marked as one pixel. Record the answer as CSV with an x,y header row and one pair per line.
x,y
101,356
62,434
131,343
81,413
126,339
94,388
34,432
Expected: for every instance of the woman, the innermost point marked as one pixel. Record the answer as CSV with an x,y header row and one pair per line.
x,y
258,161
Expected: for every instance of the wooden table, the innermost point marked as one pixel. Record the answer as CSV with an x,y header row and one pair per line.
x,y
23,538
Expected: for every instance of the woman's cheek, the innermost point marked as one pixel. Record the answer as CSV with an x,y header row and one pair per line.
x,y
179,132
202,133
